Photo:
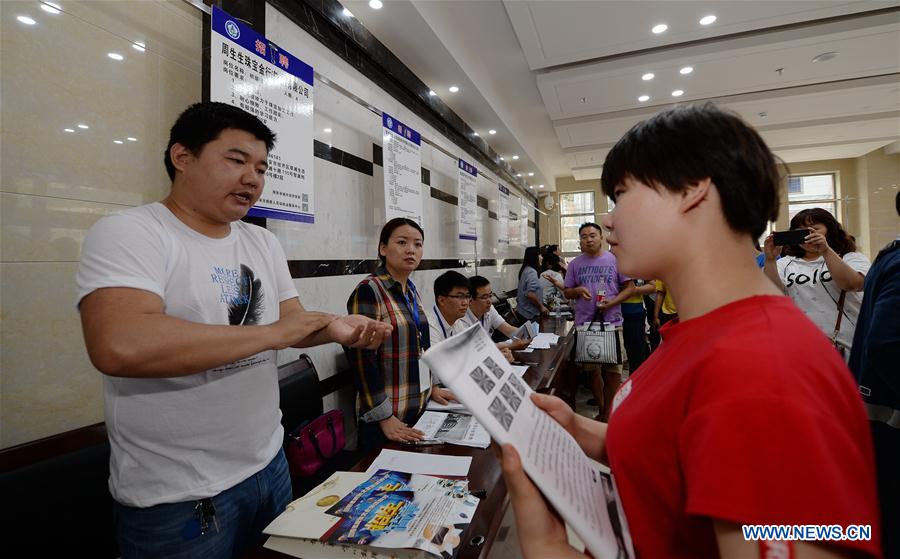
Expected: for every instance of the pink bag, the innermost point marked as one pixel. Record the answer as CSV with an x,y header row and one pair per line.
x,y
312,444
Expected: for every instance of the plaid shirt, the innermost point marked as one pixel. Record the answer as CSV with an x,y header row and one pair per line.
x,y
387,379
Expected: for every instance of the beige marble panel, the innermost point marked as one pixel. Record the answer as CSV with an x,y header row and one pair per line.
x,y
77,83
45,229
48,384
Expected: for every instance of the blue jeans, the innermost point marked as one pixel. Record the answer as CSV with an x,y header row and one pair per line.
x,y
240,512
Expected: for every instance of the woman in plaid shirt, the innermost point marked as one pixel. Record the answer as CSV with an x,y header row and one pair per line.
x,y
392,389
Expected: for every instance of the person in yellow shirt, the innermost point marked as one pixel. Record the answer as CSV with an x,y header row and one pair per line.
x,y
664,310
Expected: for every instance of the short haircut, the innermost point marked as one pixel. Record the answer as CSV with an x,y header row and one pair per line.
x,y
476,283
837,238
388,229
589,224
201,123
688,144
448,281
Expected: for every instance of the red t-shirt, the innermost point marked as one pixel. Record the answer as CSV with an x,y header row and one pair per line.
x,y
745,414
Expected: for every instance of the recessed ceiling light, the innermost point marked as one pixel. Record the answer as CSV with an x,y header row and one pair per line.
x,y
68,130
492,131
643,98
50,8
431,93
118,142
677,93
541,186
825,56
584,99
648,76
131,139
453,89
707,20
83,126
347,13
763,114
140,47
515,156
530,174
326,130
26,20
475,134
686,70
531,187
115,56
501,158
660,28
375,4
518,174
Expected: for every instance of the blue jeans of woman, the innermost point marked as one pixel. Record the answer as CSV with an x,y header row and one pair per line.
x,y
169,530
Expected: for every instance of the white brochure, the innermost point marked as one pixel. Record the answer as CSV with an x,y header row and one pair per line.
x,y
453,428
472,367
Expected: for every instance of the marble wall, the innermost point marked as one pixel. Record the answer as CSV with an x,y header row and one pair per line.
x,y
55,184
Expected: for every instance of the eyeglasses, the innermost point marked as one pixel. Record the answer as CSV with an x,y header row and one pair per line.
x,y
460,297
484,297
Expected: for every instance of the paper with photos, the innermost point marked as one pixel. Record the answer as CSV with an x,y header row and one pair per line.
x,y
453,428
472,367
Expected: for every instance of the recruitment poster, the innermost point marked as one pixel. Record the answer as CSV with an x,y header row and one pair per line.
x,y
248,71
468,203
503,216
402,170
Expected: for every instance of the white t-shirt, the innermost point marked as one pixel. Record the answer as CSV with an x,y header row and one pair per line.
x,y
490,321
190,437
550,290
809,285
438,328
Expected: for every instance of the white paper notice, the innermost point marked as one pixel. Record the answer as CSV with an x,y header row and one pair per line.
x,y
248,71
453,428
523,222
421,463
402,159
474,369
468,203
503,216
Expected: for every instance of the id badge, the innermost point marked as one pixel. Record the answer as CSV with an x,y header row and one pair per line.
x,y
424,376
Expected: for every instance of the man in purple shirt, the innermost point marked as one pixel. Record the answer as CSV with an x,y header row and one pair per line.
x,y
593,272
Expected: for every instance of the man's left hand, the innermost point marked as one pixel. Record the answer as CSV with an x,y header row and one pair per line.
x,y
358,331
442,396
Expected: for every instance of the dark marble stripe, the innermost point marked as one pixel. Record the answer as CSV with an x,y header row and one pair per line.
x,y
482,202
377,155
444,197
492,215
325,268
340,157
426,180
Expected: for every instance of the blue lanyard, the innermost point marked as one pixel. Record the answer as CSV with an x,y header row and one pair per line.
x,y
437,314
413,307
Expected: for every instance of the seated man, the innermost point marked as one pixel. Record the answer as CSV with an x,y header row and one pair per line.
x,y
482,311
451,295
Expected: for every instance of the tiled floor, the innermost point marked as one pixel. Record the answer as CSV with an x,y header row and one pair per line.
x,y
584,394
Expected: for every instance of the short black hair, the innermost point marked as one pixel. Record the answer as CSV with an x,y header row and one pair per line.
x,y
590,224
476,283
201,123
448,281
388,229
691,143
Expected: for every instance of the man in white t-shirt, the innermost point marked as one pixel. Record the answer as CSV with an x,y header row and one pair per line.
x,y
482,311
451,296
183,307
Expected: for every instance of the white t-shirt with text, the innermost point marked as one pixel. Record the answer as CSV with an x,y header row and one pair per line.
x,y
190,437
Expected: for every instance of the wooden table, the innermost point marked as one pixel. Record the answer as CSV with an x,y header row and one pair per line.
x,y
543,375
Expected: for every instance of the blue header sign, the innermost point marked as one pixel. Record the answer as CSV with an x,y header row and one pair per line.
x,y
400,129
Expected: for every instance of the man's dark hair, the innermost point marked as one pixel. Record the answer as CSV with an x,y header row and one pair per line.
x,y
201,123
837,238
476,283
688,144
388,229
589,224
448,281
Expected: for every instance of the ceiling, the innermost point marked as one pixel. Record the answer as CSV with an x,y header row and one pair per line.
x,y
560,80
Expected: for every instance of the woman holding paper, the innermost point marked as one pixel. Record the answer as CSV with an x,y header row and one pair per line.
x,y
745,415
393,386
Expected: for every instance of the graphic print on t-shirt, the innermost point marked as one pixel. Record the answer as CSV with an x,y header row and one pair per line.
x,y
242,292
